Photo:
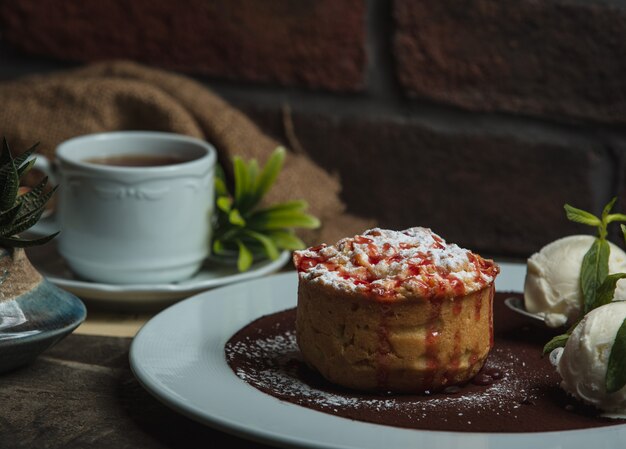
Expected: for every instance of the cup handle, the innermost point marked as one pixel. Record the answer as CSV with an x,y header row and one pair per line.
x,y
48,223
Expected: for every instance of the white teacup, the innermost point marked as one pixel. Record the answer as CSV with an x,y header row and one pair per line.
x,y
135,207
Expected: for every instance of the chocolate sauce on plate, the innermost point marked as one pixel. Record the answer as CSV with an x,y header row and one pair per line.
x,y
516,391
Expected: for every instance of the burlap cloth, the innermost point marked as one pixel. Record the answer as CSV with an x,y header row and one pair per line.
x,y
122,95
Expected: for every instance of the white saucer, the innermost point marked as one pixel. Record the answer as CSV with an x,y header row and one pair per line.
x,y
50,264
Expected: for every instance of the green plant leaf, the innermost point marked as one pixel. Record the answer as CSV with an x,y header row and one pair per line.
x,y
22,225
17,242
32,206
557,342
34,200
9,184
581,216
25,168
9,215
286,240
241,180
245,258
269,247
247,200
616,368
253,173
594,270
608,207
5,153
295,206
19,212
220,182
268,174
606,290
605,218
615,217
21,158
235,218
218,246
30,198
274,220
241,226
36,212
224,203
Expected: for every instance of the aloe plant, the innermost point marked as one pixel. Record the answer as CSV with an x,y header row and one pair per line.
x,y
244,228
20,211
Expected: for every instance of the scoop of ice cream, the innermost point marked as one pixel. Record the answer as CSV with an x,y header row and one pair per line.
x,y
552,286
583,362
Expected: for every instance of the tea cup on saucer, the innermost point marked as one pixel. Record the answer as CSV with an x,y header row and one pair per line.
x,y
134,207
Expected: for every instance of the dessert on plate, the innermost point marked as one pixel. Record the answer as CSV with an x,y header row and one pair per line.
x,y
406,312
583,362
579,280
552,285
399,311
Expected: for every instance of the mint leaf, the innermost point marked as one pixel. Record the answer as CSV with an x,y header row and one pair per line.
x,y
606,291
615,217
594,270
605,217
581,216
557,342
608,207
586,218
616,369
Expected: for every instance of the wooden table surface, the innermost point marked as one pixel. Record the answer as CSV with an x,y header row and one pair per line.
x,y
81,393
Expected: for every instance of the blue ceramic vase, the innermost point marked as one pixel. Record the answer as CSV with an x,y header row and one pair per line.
x,y
34,314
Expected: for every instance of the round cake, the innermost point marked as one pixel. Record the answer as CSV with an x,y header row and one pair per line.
x,y
394,311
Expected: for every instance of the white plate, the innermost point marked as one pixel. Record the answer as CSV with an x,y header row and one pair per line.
x,y
136,296
178,356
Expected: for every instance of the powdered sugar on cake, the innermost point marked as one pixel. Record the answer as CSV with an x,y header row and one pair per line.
x,y
396,264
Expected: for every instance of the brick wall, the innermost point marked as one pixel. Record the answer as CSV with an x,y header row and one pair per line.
x,y
478,118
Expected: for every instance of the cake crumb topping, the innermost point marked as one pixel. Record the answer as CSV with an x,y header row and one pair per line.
x,y
397,264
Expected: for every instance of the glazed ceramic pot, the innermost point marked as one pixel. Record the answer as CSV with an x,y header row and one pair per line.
x,y
34,314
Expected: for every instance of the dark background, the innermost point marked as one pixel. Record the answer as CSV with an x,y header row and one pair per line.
x,y
477,118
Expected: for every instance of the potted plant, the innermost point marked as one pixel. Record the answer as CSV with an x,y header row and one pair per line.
x,y
34,314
